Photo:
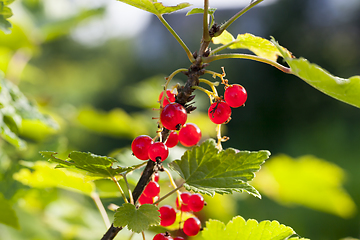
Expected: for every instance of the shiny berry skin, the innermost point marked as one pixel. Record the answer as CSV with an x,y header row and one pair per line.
x,y
196,202
185,200
219,112
158,150
192,226
173,116
162,236
170,95
189,135
235,95
140,146
179,238
156,177
145,200
152,189
167,215
172,140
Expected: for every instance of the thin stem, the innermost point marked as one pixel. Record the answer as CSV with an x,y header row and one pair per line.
x,y
143,235
206,35
166,24
219,138
236,16
168,194
216,50
120,189
129,190
211,84
247,56
101,208
131,235
210,94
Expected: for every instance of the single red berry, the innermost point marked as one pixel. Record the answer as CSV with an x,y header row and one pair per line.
x,y
189,135
184,202
145,200
140,146
162,236
170,95
167,215
196,202
158,150
172,140
219,112
156,177
235,95
192,226
152,189
173,116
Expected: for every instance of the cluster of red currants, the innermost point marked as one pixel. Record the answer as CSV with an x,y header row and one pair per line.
x,y
173,117
220,111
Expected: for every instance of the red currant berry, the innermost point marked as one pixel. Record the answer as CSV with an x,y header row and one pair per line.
x,y
192,226
152,189
167,215
189,135
156,177
184,204
173,116
145,200
172,140
170,95
162,236
179,238
219,112
158,150
196,202
235,95
140,146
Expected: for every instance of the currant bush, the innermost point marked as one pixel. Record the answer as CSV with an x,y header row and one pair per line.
x,y
219,112
189,135
173,116
140,146
159,151
235,95
170,95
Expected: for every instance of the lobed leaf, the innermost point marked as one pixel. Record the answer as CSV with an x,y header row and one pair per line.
x,y
8,215
98,166
155,7
238,229
346,90
137,220
207,170
43,175
5,13
211,11
307,181
260,46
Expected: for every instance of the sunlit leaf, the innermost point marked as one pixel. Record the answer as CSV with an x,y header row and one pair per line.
x,y
5,13
238,229
307,181
7,213
260,46
99,166
207,170
211,11
44,175
346,90
155,7
14,107
137,220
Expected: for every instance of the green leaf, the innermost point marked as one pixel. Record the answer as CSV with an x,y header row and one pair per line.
x,y
43,175
238,229
211,11
155,7
98,166
306,181
5,13
8,215
207,170
346,90
137,220
14,108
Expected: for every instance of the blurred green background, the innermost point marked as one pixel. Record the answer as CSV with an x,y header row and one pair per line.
x,y
100,85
